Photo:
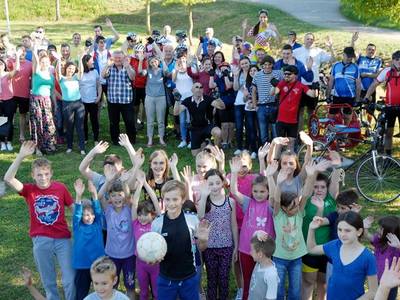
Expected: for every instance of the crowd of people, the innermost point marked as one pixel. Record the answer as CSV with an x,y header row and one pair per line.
x,y
286,231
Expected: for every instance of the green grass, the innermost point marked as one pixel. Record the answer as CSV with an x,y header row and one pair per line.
x,y
224,16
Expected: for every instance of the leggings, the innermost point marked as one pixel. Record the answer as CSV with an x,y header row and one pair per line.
x,y
218,266
147,276
247,264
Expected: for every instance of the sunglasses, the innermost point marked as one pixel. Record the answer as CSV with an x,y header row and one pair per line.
x,y
288,74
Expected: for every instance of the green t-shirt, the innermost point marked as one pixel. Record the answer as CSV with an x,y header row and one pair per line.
x,y
42,84
322,234
289,240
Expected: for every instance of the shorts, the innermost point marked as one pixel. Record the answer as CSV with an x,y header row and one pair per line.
x,y
342,100
227,115
199,134
23,104
127,265
307,101
314,263
392,112
140,94
287,129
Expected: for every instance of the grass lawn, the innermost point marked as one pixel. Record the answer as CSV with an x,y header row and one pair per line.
x,y
225,17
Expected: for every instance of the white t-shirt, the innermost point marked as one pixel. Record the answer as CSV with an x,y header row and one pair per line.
x,y
319,57
184,84
117,296
264,283
102,58
88,86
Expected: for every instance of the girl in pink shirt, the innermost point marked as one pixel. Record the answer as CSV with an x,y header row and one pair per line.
x,y
8,105
143,214
257,216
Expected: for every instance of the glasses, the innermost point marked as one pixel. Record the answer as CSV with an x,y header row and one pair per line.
x,y
198,86
288,74
39,31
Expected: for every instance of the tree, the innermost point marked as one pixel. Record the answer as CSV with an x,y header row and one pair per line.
x,y
58,14
7,14
189,4
148,23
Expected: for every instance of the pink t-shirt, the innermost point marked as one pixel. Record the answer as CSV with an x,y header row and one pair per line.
x,y
139,229
257,216
22,80
244,186
6,89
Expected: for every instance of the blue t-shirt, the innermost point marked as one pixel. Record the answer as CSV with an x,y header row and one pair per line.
x,y
307,75
368,65
205,44
296,45
345,76
347,281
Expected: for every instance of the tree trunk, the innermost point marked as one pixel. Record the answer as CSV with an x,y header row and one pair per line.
x,y
58,15
190,8
148,23
7,14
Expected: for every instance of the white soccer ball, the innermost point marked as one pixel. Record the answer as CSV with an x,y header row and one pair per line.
x,y
151,247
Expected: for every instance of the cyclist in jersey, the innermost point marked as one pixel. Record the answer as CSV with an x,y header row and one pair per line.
x,y
390,78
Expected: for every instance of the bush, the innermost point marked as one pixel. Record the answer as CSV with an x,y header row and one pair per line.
x,y
371,12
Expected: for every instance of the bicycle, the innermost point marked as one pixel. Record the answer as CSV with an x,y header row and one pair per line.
x,y
377,176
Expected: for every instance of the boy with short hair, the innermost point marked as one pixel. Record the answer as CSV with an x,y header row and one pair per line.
x,y
178,275
104,276
49,231
264,280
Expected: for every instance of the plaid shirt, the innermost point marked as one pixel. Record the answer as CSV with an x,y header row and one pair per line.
x,y
119,86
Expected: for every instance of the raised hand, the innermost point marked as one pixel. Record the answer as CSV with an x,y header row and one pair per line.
x,y
218,154
316,222
317,201
27,148
354,37
173,161
109,23
305,138
272,168
284,141
263,151
92,189
391,276
329,42
110,173
187,174
79,187
367,222
393,240
139,158
110,62
261,235
355,207
100,148
235,164
309,63
124,140
335,158
244,24
323,165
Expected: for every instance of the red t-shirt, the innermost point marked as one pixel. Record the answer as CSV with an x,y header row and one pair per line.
x,y
140,80
289,104
47,209
392,79
22,80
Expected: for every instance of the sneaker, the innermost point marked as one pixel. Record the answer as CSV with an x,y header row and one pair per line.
x,y
237,152
182,144
3,146
83,152
239,294
189,146
253,155
68,150
9,146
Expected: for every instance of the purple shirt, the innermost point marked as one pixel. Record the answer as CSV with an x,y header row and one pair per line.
x,y
120,240
383,253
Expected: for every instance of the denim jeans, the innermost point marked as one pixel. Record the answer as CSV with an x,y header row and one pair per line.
x,y
265,121
251,130
183,120
59,118
187,289
74,114
293,269
45,251
239,120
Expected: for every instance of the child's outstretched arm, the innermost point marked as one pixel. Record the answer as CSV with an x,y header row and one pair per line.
x,y
27,275
276,196
125,142
173,164
27,148
235,165
150,192
79,187
135,198
390,279
205,192
275,148
305,138
95,201
235,233
312,246
262,154
111,176
219,157
84,167
137,161
187,176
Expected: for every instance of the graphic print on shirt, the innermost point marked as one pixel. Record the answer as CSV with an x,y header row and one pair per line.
x,y
123,226
261,221
47,209
256,219
289,241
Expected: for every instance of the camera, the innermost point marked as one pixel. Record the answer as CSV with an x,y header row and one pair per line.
x,y
211,72
150,40
88,43
177,96
226,72
215,94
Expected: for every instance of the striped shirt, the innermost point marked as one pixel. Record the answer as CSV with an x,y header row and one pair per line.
x,y
262,82
119,86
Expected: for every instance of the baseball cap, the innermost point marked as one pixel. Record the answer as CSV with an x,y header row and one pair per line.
x,y
396,55
212,43
246,45
51,47
156,32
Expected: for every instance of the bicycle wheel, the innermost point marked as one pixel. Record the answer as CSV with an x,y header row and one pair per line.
x,y
319,151
381,184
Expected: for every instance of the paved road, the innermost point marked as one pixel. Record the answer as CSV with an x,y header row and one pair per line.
x,y
325,13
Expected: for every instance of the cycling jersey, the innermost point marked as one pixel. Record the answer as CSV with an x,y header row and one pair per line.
x,y
345,76
368,65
